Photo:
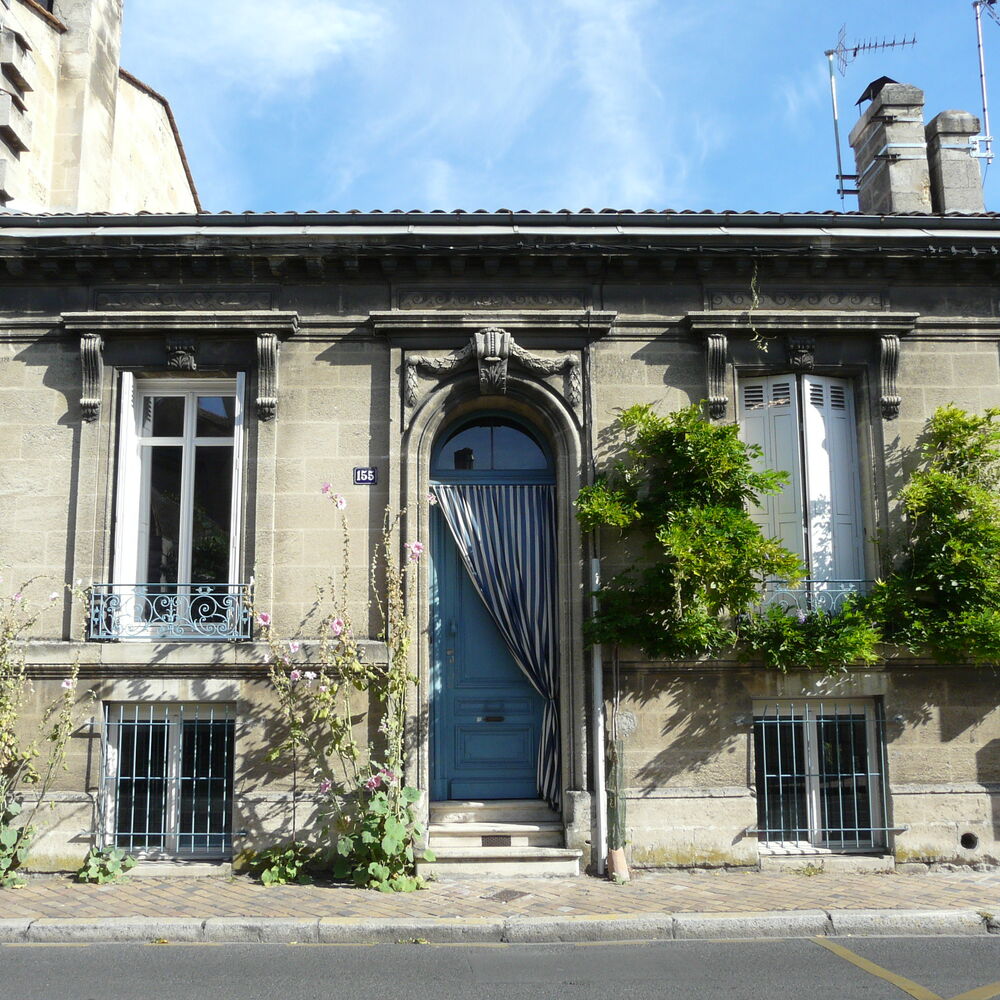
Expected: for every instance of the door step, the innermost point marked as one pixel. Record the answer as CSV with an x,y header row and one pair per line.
x,y
498,838
500,862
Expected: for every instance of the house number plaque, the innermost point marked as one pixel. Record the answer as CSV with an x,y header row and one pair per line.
x,y
367,476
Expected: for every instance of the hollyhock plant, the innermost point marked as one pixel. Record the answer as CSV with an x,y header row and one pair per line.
x,y
337,626
295,675
415,549
264,620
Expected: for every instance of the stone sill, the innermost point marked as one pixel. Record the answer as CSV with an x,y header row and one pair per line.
x,y
148,656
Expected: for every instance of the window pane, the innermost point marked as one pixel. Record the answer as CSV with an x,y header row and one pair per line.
x,y
163,515
468,449
163,416
216,416
845,797
514,449
213,483
782,812
206,786
141,792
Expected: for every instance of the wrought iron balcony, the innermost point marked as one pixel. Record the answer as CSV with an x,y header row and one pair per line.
x,y
171,611
812,595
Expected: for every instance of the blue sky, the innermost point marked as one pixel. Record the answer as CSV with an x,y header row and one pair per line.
x,y
536,104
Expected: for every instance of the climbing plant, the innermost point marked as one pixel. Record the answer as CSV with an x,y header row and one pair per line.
x,y
943,595
681,488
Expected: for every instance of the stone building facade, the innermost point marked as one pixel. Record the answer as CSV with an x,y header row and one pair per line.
x,y
394,355
77,132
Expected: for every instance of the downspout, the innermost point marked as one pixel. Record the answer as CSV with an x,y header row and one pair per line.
x,y
597,714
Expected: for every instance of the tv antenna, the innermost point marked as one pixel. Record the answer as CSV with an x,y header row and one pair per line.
x,y
984,142
846,54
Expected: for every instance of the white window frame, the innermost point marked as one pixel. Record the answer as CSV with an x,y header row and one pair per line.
x,y
804,712
118,714
132,484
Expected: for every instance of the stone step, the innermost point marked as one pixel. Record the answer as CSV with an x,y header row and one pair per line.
x,y
500,862
492,811
501,834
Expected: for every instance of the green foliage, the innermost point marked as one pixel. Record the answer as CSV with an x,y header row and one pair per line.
x,y
683,487
14,844
810,640
27,760
945,594
284,864
375,848
105,864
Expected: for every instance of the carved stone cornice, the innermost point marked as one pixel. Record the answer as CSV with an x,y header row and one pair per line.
x,y
889,399
492,349
801,330
182,332
92,363
716,351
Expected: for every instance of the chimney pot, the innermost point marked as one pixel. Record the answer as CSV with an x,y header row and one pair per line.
x,y
956,183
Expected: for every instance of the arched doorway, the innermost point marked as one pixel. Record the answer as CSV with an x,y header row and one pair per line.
x,y
494,675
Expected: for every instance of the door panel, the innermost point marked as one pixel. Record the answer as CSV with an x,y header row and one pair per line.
x,y
486,716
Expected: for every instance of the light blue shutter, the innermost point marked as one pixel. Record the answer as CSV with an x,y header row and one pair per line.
x,y
769,417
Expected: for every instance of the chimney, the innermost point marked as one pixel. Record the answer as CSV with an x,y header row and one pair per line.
x,y
891,151
956,183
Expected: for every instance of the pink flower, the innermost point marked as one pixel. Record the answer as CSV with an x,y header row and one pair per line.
x,y
338,501
324,786
293,646
323,688
373,782
17,596
325,488
337,626
264,620
431,499
295,675
387,775
416,550
68,684
310,675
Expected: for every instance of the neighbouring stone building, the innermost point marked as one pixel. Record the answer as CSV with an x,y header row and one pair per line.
x,y
175,390
77,132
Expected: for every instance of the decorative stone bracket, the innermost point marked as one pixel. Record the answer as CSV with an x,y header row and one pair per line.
x,y
182,332
493,349
800,331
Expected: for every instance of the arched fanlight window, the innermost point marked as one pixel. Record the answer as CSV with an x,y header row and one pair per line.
x,y
491,448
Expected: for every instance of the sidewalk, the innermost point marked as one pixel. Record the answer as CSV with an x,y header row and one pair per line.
x,y
656,905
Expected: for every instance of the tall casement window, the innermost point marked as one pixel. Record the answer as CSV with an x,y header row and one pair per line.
x,y
168,778
805,425
177,565
819,768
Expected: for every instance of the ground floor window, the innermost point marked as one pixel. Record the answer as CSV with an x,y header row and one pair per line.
x,y
168,778
819,773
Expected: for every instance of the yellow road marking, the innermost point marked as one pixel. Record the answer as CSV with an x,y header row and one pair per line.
x,y
908,986
980,993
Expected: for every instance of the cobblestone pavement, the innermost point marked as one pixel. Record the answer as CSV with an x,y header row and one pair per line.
x,y
649,892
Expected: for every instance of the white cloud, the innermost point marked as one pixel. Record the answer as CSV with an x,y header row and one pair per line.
x,y
261,44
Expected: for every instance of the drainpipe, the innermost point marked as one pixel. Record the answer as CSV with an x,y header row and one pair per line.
x,y
597,714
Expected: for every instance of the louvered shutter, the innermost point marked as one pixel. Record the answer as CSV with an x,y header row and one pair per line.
x,y
769,417
831,473
126,568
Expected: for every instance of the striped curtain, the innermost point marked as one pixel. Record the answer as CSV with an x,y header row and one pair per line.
x,y
507,538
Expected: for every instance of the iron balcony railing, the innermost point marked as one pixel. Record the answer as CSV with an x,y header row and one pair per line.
x,y
171,611
812,595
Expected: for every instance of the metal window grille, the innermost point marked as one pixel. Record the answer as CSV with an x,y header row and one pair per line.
x,y
820,775
167,779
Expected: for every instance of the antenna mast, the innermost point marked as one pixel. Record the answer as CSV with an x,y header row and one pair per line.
x,y
847,54
984,143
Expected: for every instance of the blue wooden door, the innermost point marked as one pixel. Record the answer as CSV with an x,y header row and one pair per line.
x,y
486,716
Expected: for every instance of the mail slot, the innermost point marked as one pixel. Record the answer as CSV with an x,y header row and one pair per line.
x,y
490,718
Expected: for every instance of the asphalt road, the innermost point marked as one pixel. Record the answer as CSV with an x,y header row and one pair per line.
x,y
966,968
